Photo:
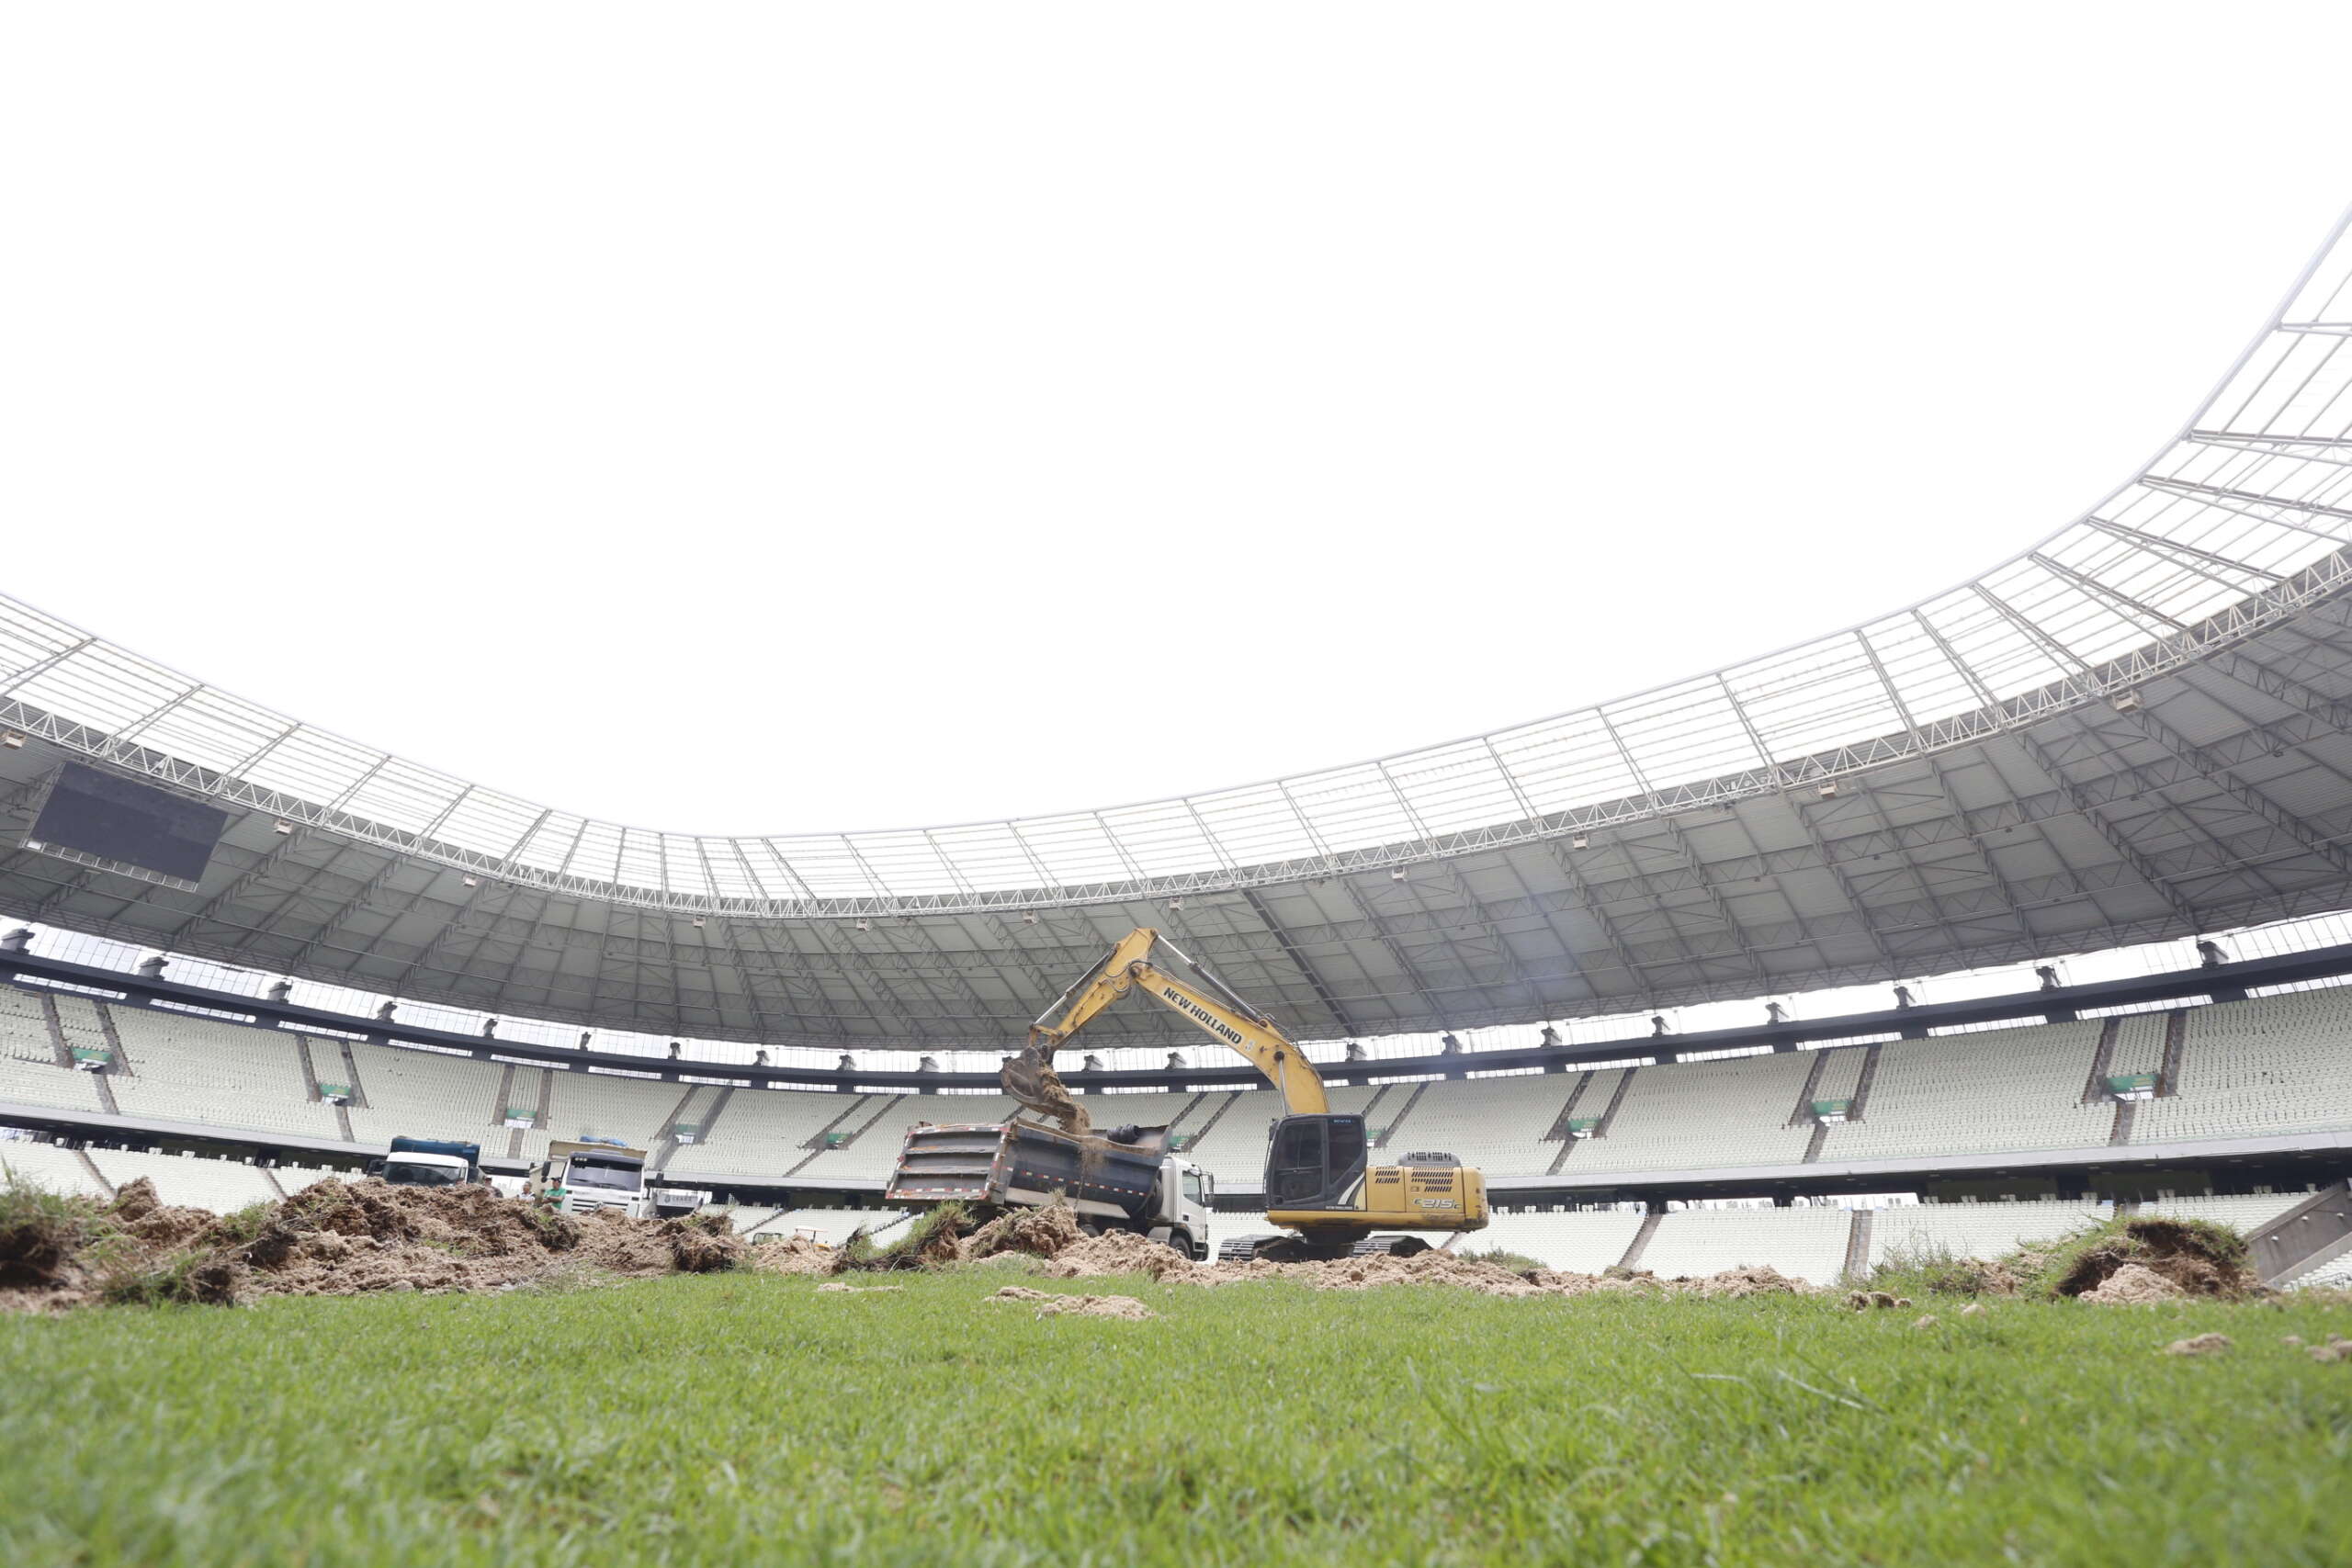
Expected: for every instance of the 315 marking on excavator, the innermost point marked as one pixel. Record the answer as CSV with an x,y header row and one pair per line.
x,y
1435,1204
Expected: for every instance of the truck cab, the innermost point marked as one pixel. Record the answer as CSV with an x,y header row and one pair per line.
x,y
429,1162
590,1176
1183,1221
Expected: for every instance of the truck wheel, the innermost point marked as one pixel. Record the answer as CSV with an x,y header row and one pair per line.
x,y
1183,1243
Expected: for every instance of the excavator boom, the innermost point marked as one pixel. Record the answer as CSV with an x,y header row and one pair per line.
x,y
1192,993
1319,1177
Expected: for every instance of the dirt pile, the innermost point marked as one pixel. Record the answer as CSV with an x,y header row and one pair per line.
x,y
793,1255
1051,1305
2133,1285
1874,1301
1115,1252
340,1238
1046,1231
2185,1258
2199,1345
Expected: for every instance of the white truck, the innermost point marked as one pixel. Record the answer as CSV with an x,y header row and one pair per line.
x,y
593,1176
429,1162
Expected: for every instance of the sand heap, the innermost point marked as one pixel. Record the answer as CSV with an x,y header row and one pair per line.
x,y
339,1238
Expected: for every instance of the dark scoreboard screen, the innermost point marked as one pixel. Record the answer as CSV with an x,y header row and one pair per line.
x,y
120,819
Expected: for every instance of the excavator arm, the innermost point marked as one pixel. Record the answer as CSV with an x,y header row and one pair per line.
x,y
1183,987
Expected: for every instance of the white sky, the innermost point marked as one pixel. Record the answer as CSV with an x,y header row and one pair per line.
x,y
746,419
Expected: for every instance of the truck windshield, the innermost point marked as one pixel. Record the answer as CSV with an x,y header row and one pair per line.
x,y
599,1173
400,1173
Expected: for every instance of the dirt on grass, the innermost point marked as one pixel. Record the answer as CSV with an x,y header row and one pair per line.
x,y
337,1239
2148,1258
1048,1304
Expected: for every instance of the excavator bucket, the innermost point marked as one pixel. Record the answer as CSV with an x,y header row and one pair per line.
x,y
1030,1079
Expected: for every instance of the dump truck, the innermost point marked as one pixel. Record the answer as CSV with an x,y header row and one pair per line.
x,y
428,1162
590,1176
1122,1180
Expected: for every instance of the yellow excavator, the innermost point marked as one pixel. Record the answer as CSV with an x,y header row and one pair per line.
x,y
1321,1185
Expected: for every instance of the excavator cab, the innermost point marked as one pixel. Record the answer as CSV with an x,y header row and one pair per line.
x,y
1314,1162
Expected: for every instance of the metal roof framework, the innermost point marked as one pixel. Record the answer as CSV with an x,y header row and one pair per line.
x,y
2136,729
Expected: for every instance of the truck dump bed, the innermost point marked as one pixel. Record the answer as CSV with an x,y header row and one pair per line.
x,y
1013,1163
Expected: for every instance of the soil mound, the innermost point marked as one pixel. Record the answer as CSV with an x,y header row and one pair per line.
x,y
2199,1345
794,1255
1048,1304
2198,1259
1115,1252
1046,1231
332,1238
2132,1285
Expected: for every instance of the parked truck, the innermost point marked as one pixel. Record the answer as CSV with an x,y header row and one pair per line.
x,y
1122,1180
590,1176
428,1162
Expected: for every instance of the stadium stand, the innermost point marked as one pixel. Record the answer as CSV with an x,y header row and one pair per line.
x,y
2335,1274
1709,1114
195,1070
413,1093
2139,1044
1805,1244
2008,1088
764,1134
833,1226
2255,1067
2248,1211
188,1181
1587,1241
1974,1230
1495,1124
48,1166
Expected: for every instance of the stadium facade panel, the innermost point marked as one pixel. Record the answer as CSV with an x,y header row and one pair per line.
x,y
2136,729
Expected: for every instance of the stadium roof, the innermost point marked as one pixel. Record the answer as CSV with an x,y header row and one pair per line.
x,y
2136,729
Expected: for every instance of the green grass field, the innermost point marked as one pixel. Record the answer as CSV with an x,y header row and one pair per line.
x,y
749,1419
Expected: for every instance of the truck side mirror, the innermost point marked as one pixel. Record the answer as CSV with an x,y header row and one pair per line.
x,y
373,1168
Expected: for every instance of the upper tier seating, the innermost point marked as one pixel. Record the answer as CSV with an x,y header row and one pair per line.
x,y
2008,1088
197,1070
2249,1070
761,1135
1709,1114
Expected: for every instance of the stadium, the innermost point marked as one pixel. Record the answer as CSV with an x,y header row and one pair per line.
x,y
1960,942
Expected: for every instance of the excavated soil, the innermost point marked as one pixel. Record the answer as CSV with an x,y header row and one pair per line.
x,y
1051,1305
2199,1345
337,1239
793,1255
2132,1285
2193,1261
1046,1231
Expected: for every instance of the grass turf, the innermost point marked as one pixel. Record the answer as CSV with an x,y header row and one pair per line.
x,y
744,1419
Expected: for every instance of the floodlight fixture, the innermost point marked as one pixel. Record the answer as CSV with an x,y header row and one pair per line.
x,y
11,739
2127,702
866,925
471,880
1579,842
1397,875
282,826
1828,790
